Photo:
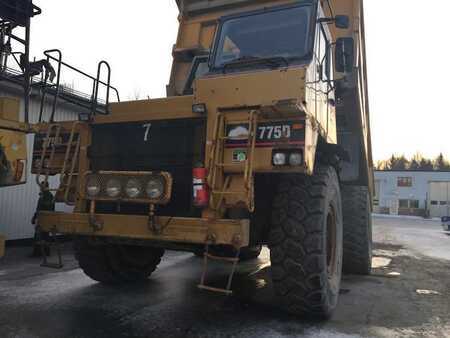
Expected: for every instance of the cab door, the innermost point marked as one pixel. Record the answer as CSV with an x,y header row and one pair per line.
x,y
13,144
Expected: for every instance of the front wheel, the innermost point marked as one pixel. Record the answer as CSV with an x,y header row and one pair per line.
x,y
306,243
114,263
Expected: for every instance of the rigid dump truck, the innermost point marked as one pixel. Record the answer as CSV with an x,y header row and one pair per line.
x,y
263,139
14,19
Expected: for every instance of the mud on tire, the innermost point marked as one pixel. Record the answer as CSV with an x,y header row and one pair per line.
x,y
116,264
357,230
306,243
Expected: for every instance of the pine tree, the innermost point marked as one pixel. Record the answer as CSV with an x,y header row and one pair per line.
x,y
414,164
440,163
398,163
426,165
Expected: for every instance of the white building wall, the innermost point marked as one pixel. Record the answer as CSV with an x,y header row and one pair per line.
x,y
389,193
18,204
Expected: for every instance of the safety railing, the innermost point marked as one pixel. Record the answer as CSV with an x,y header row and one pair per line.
x,y
93,104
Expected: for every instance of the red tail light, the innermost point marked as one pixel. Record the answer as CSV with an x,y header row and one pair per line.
x,y
200,187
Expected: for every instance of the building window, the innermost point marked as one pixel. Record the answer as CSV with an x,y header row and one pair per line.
x,y
404,204
434,203
404,182
413,204
408,204
443,202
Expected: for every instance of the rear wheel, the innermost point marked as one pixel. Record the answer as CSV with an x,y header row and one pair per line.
x,y
115,264
357,230
306,243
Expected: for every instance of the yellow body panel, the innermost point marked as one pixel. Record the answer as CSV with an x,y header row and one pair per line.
x,y
13,144
145,110
9,109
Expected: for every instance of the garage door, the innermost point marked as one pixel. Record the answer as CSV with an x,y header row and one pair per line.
x,y
439,199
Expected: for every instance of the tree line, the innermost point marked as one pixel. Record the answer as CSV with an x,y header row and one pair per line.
x,y
417,162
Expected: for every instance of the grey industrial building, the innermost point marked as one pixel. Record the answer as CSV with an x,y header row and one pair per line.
x,y
418,193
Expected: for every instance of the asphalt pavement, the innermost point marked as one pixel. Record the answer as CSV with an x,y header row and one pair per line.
x,y
407,295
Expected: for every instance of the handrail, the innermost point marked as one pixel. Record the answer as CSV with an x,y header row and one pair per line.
x,y
58,78
96,86
36,10
56,55
47,53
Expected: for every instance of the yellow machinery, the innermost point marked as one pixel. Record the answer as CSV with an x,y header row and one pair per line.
x,y
13,145
15,18
13,148
264,139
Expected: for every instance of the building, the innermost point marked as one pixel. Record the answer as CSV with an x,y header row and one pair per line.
x,y
417,193
18,204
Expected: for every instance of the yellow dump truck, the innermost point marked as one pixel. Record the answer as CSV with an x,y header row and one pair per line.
x,y
263,139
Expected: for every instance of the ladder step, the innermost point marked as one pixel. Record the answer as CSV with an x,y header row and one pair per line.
x,y
217,192
231,164
231,138
210,288
224,259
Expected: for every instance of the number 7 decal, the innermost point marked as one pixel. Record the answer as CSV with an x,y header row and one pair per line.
x,y
147,131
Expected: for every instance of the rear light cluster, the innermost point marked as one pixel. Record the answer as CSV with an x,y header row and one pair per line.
x,y
291,157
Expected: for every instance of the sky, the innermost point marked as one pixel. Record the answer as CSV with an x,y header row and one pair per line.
x,y
407,45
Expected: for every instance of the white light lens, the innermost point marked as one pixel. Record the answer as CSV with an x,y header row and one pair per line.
x,y
295,159
199,108
93,187
155,188
279,159
113,188
133,188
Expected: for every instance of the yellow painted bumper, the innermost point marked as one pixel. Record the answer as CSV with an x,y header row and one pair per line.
x,y
173,229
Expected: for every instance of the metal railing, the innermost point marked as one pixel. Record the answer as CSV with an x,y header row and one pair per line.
x,y
96,106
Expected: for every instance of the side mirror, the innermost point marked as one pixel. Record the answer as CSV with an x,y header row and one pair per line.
x,y
342,21
344,55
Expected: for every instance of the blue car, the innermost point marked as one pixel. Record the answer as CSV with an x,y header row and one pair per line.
x,y
446,223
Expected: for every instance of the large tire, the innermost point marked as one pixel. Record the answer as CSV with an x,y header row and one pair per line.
x,y
116,264
306,243
357,230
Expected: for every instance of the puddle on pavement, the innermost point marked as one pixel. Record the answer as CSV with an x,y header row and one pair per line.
x,y
380,262
390,253
394,274
427,292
